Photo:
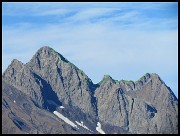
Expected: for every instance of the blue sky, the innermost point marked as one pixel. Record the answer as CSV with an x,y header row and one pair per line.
x,y
124,40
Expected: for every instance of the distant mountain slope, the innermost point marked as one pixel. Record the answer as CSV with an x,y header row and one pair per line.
x,y
49,82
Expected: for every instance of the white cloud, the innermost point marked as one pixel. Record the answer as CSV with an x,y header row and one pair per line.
x,y
98,40
91,13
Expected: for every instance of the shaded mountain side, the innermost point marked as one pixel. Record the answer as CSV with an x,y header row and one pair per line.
x,y
49,81
20,115
65,79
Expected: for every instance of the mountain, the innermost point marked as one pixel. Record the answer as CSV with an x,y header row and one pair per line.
x,y
49,94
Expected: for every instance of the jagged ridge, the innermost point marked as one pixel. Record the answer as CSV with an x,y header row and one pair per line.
x,y
133,107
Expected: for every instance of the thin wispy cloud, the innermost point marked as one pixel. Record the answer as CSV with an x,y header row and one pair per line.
x,y
120,39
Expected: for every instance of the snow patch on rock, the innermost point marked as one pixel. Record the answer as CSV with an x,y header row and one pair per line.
x,y
65,119
82,125
61,107
98,128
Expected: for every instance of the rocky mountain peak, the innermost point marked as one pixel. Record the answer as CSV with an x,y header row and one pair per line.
x,y
155,76
47,52
145,78
16,63
106,78
45,48
44,58
49,82
13,68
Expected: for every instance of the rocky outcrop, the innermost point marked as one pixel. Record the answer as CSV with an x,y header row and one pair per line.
x,y
144,106
49,81
50,72
21,116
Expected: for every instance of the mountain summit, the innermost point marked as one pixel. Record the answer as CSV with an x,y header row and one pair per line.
x,y
49,95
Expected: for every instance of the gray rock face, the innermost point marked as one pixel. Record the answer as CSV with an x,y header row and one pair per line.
x,y
50,71
144,106
70,84
21,116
